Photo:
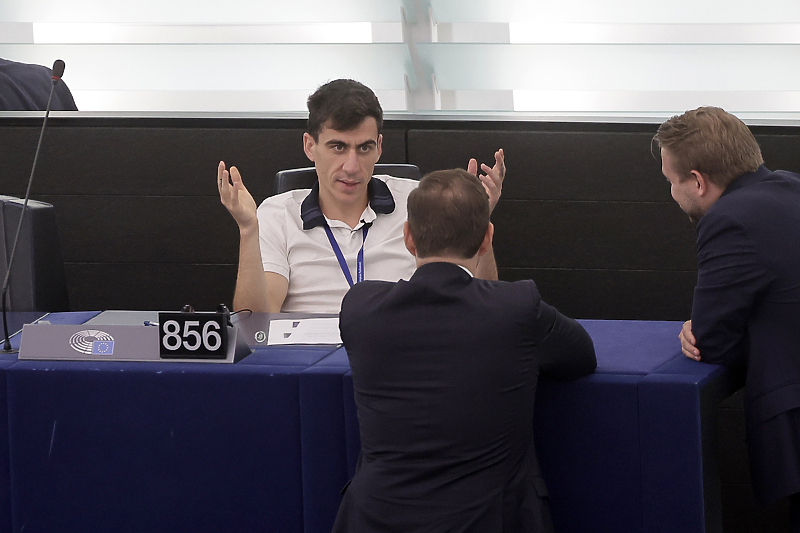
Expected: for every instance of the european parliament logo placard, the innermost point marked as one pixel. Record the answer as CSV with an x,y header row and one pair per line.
x,y
92,342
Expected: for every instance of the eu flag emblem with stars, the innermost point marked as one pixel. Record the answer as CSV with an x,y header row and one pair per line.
x,y
102,347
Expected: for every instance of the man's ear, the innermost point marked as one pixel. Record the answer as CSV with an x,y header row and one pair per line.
x,y
308,145
486,245
702,182
380,146
408,240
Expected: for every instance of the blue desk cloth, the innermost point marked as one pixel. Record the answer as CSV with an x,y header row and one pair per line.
x,y
121,446
5,474
324,446
268,443
633,347
154,447
16,320
629,448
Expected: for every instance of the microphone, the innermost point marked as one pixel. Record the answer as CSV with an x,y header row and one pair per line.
x,y
58,71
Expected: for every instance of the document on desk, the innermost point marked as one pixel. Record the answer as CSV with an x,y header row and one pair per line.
x,y
304,331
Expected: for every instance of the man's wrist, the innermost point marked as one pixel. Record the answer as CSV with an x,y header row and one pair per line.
x,y
248,230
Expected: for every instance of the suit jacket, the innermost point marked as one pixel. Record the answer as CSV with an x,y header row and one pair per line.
x,y
444,369
746,311
25,87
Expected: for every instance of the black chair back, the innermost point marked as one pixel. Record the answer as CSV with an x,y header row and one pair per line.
x,y
304,178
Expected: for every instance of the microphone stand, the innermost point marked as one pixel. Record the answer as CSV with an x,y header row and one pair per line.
x,y
58,71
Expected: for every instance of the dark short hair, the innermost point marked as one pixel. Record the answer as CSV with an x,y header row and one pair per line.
x,y
711,141
342,105
448,214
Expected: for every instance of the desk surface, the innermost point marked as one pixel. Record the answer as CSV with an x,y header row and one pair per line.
x,y
623,347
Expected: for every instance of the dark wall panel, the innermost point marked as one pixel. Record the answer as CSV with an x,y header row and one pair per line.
x,y
551,165
781,152
585,209
593,235
154,161
613,294
145,229
149,286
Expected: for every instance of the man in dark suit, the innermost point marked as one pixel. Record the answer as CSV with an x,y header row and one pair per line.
x,y
746,308
445,368
25,87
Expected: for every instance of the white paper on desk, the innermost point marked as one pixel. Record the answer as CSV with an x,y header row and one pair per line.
x,y
304,331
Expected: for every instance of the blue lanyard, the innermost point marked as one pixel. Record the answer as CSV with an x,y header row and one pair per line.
x,y
340,257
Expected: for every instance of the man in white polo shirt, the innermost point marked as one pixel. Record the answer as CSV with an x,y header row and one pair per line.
x,y
302,250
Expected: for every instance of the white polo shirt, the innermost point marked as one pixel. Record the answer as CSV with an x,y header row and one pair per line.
x,y
305,256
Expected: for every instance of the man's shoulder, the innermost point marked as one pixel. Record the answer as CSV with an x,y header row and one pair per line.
x,y
295,196
523,291
520,293
370,286
775,192
286,201
785,175
771,183
16,68
510,286
362,292
398,186
762,212
30,86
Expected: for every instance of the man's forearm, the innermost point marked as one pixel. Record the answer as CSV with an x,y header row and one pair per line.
x,y
251,284
568,350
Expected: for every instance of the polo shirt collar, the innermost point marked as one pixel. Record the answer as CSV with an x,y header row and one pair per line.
x,y
381,201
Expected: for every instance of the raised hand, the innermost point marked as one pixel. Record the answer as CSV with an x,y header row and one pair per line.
x,y
235,197
493,178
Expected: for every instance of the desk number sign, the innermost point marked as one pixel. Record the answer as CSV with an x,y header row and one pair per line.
x,y
193,335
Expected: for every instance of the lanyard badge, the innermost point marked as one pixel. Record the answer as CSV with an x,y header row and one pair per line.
x,y
340,256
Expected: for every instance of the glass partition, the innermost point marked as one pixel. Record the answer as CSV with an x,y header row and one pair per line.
x,y
622,58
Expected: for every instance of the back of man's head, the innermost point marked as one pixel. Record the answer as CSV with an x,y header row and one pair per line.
x,y
712,142
448,214
342,105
